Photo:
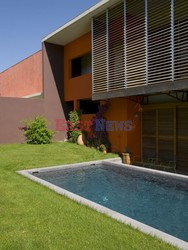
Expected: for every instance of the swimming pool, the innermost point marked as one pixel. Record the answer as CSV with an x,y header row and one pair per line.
x,y
153,198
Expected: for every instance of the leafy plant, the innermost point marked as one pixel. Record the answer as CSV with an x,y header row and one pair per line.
x,y
103,148
98,138
73,126
37,132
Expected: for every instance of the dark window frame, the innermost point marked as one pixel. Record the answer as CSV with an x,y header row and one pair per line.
x,y
77,63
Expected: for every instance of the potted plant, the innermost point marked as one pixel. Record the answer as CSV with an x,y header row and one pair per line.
x,y
99,138
103,148
126,156
75,134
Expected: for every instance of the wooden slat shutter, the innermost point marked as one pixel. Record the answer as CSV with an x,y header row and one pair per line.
x,y
140,42
135,43
166,134
181,38
116,45
100,54
149,133
159,41
182,138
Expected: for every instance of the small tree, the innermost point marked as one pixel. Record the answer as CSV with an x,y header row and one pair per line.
x,y
74,120
37,132
99,138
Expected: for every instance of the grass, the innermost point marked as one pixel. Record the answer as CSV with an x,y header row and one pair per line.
x,y
34,217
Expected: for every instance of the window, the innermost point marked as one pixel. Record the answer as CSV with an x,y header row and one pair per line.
x,y
81,65
76,67
89,107
70,106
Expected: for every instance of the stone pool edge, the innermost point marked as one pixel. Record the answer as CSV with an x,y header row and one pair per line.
x,y
109,212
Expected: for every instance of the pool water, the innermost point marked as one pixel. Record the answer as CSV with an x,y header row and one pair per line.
x,y
149,198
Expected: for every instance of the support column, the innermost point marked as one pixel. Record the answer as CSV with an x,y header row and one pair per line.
x,y
76,104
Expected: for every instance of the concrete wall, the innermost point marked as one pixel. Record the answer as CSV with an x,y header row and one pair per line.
x,y
53,70
24,78
12,112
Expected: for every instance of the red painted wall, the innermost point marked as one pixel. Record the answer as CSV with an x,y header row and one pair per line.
x,y
24,78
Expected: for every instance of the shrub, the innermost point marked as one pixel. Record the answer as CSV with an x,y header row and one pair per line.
x,y
98,138
37,132
74,118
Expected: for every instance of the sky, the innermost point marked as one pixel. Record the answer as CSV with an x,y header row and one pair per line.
x,y
23,24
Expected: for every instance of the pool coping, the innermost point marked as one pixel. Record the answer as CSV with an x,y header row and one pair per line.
x,y
181,244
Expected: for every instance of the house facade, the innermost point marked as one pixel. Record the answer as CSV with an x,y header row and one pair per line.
x,y
133,55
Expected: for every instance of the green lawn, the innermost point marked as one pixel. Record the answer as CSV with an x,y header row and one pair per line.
x,y
34,217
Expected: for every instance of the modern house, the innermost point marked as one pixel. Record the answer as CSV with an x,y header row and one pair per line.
x,y
133,55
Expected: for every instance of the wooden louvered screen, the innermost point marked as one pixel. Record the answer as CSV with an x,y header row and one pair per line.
x,y
100,54
182,138
149,134
181,38
140,42
149,147
166,122
116,47
165,134
158,131
159,41
166,150
135,43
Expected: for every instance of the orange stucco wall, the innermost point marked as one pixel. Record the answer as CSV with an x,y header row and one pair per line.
x,y
122,110
24,78
134,113
78,87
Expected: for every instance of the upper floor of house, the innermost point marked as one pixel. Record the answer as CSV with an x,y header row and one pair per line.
x,y
122,48
117,48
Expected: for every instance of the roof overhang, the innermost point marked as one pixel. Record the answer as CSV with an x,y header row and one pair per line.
x,y
78,26
151,89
